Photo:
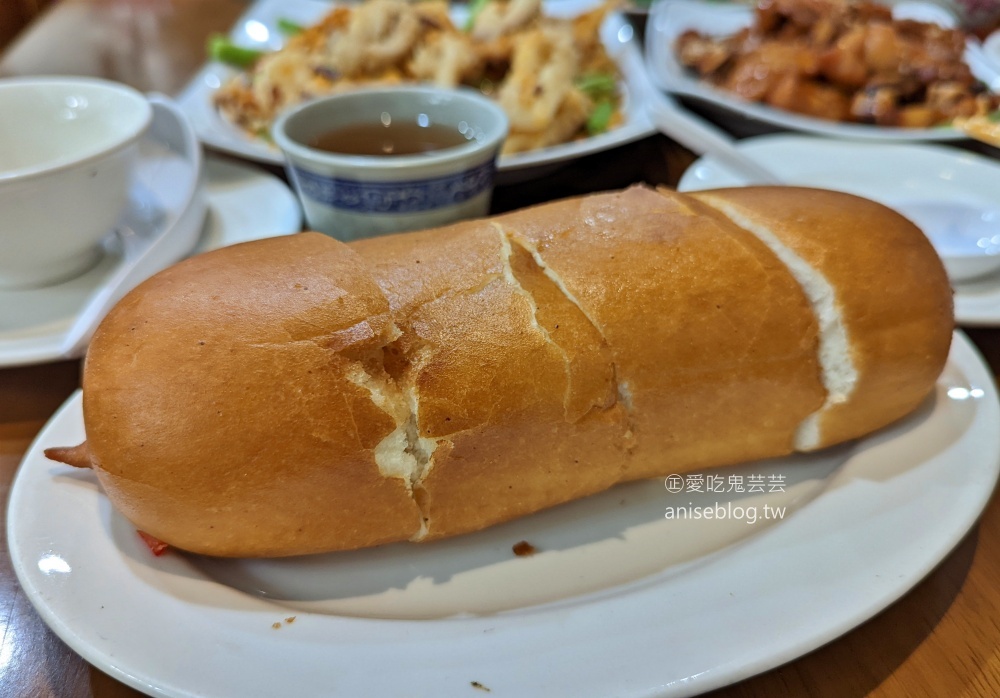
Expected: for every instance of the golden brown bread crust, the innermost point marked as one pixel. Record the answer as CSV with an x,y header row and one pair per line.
x,y
492,385
893,294
299,395
730,333
218,416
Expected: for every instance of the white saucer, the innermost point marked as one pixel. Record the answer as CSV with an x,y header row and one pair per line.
x,y
244,203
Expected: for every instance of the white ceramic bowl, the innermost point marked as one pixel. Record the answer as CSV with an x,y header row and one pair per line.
x,y
67,148
354,196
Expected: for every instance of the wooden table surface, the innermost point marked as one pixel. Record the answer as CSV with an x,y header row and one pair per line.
x,y
941,639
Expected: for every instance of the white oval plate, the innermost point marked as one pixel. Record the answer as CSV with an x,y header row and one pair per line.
x,y
891,173
619,600
670,18
244,203
258,28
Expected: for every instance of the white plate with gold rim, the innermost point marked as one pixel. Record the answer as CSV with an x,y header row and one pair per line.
x,y
619,600
259,28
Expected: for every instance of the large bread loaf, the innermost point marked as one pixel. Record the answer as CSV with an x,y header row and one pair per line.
x,y
299,395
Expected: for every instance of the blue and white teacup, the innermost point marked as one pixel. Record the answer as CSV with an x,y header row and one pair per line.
x,y
350,196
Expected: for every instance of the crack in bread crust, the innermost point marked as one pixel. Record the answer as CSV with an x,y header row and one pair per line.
x,y
506,252
403,453
532,249
839,373
529,256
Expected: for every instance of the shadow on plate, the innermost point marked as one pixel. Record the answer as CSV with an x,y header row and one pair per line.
x,y
633,535
600,545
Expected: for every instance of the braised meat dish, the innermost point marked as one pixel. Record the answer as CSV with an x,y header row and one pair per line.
x,y
844,61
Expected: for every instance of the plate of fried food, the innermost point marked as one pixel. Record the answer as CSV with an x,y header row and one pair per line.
x,y
568,73
830,67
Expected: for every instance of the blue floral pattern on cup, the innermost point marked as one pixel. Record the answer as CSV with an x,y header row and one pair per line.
x,y
394,197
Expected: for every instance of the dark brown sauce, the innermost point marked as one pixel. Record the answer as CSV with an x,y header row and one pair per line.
x,y
394,139
524,549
